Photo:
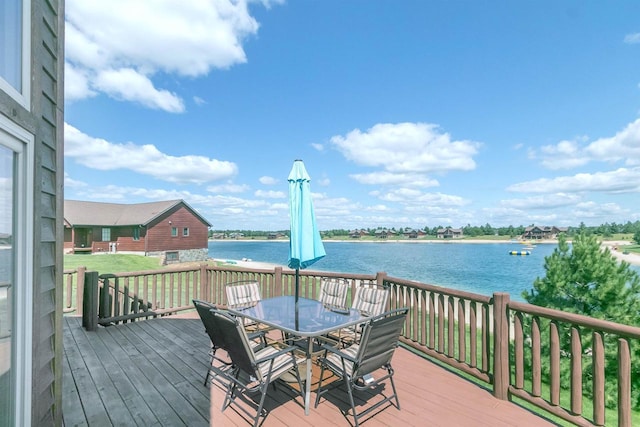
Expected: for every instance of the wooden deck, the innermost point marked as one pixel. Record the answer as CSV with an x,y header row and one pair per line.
x,y
150,373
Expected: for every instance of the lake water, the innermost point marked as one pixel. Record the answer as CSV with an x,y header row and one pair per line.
x,y
474,267
482,268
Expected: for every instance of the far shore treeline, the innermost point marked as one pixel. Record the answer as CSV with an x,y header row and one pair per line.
x,y
606,230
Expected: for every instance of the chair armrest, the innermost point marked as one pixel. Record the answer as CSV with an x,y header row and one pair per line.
x,y
285,350
338,352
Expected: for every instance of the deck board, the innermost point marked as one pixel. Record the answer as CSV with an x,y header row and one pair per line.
x,y
151,373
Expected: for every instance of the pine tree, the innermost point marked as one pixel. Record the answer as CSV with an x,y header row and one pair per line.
x,y
585,279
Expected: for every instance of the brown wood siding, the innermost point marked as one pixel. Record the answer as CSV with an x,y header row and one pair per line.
x,y
159,232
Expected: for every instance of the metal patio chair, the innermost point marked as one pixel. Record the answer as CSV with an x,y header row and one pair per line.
x,y
358,364
370,300
206,312
333,292
252,371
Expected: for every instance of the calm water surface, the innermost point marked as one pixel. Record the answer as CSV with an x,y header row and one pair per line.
x,y
479,268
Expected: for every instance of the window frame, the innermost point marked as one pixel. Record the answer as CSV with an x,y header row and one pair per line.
x,y
23,96
185,232
21,142
105,231
174,231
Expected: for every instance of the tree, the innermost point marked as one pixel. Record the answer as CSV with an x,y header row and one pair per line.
x,y
636,237
587,280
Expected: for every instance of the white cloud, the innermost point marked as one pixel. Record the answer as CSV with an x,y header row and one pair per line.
x,y
413,196
199,101
76,84
632,38
564,155
129,85
407,148
183,38
73,183
228,188
551,201
388,178
318,147
268,180
617,181
270,194
623,146
97,153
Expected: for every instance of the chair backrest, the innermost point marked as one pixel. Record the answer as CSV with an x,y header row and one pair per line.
x,y
379,341
208,320
370,300
245,292
333,292
237,343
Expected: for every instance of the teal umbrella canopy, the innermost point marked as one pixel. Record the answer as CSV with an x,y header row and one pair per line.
x,y
305,244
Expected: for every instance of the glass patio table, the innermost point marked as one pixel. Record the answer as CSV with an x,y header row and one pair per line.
x,y
311,319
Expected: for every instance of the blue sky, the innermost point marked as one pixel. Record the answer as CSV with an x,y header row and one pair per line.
x,y
406,113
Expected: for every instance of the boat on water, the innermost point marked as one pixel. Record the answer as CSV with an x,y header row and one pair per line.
x,y
528,248
519,252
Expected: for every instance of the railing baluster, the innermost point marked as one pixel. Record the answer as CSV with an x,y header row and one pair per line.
x,y
536,367
554,355
519,350
576,371
598,379
624,384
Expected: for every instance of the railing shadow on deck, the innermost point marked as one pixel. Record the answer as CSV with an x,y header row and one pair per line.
x,y
500,343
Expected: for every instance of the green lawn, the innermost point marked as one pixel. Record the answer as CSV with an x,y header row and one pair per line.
x,y
112,263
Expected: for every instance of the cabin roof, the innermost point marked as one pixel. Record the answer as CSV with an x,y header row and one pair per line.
x,y
79,213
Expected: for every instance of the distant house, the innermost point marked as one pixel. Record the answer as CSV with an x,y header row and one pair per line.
x,y
542,232
356,234
169,229
412,233
383,233
449,233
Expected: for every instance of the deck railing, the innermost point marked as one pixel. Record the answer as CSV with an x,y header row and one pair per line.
x,y
499,342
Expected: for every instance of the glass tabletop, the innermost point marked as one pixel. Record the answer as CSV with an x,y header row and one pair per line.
x,y
311,319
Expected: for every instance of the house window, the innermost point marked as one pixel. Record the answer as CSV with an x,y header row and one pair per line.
x,y
172,257
106,234
16,267
136,233
185,232
15,47
174,231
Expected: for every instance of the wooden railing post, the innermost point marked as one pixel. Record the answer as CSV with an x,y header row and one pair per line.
x,y
90,301
500,346
277,281
203,293
80,289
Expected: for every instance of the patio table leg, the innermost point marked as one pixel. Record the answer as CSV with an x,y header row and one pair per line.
x,y
307,386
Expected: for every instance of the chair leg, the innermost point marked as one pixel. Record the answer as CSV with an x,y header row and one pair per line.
x,y
393,386
263,391
319,391
351,400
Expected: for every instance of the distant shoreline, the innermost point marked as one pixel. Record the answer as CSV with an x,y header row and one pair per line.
x,y
614,246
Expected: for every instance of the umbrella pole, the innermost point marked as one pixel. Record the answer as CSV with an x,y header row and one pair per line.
x,y
297,294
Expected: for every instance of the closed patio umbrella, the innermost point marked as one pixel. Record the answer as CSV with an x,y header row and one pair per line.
x,y
305,244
